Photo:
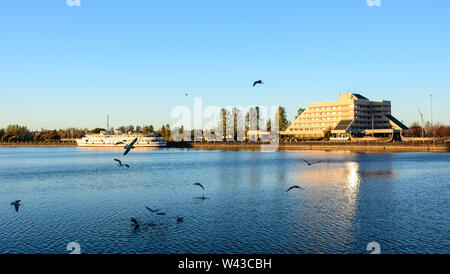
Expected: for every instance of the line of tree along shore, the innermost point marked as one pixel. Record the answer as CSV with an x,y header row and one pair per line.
x,y
435,130
227,119
19,133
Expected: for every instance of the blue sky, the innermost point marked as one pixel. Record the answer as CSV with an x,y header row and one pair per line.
x,y
64,66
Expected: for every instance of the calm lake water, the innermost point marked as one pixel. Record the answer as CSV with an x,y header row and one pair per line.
x,y
400,201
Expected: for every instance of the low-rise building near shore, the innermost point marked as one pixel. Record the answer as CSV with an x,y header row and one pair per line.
x,y
352,116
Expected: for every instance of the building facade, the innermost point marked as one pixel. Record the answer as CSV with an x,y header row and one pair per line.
x,y
352,115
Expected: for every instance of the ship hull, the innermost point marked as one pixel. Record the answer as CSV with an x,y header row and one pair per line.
x,y
107,139
160,144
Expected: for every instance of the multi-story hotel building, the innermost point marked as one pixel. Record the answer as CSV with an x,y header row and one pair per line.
x,y
353,114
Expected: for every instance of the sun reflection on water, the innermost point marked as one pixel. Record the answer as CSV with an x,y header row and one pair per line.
x,y
352,184
353,178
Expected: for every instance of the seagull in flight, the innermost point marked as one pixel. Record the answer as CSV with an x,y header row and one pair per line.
x,y
136,224
161,213
292,187
130,146
16,205
134,221
120,163
311,163
260,82
119,143
200,185
152,210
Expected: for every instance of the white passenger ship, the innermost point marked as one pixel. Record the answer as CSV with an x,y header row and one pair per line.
x,y
117,139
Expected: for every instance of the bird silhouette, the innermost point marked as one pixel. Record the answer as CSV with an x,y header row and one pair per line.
x,y
161,213
152,210
179,219
119,143
16,205
120,163
200,185
292,187
260,82
311,163
129,146
134,221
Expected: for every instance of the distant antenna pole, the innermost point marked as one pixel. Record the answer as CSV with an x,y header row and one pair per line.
x,y
421,117
107,122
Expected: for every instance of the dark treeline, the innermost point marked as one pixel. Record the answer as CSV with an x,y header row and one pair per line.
x,y
435,130
18,133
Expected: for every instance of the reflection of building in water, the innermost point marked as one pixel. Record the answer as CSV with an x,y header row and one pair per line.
x,y
353,114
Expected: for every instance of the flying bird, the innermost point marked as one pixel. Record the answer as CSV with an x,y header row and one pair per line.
x,y
16,205
292,187
152,210
200,185
130,146
186,94
120,163
119,143
161,213
134,221
311,163
258,82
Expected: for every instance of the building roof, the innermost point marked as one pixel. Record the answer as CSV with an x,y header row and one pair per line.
x,y
393,120
343,125
359,96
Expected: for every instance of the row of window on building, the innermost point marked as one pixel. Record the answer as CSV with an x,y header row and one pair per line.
x,y
322,119
310,129
328,108
325,113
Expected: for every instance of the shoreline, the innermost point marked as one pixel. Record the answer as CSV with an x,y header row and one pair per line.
x,y
40,144
325,146
305,146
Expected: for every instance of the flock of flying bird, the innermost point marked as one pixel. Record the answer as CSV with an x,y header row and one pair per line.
x,y
158,212
137,224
